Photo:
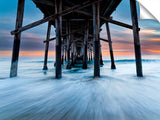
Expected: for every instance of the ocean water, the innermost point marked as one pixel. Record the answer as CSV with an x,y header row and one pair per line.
x,y
117,95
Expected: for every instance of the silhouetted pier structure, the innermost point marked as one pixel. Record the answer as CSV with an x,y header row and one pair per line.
x,y
77,24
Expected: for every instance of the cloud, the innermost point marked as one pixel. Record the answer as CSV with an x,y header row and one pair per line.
x,y
6,20
154,39
123,41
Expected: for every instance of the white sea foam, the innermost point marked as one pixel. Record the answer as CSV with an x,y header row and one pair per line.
x,y
118,95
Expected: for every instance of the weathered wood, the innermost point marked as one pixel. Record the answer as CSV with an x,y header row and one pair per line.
x,y
108,20
62,13
58,23
47,46
136,38
72,54
101,59
77,20
68,44
65,57
63,50
103,39
91,36
51,39
96,24
85,45
110,46
44,2
17,37
91,55
81,29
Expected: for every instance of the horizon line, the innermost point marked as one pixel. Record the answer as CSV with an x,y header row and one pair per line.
x,y
52,53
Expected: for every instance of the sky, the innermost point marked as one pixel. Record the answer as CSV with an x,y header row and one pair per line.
x,y
32,40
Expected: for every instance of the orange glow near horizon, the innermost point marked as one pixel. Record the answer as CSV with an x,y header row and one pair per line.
x,y
52,53
119,49
155,39
154,51
147,31
27,53
117,53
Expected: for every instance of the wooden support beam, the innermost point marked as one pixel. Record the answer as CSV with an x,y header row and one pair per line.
x,y
91,36
62,13
91,55
110,46
85,45
47,46
77,20
79,45
108,20
103,39
65,57
77,40
101,59
51,39
81,29
137,46
58,23
90,47
68,44
96,25
17,38
44,2
63,50
72,54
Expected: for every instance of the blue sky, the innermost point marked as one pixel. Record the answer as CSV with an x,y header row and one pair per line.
x,y
32,40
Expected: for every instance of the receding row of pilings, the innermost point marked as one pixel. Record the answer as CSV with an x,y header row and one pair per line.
x,y
69,45
63,50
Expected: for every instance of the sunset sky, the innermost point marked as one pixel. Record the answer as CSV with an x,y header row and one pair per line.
x,y
32,40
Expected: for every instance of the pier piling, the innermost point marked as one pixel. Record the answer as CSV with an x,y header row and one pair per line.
x,y
58,23
85,45
47,46
17,39
68,44
110,46
96,22
137,46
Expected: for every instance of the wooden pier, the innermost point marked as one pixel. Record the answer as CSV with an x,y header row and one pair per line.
x,y
78,25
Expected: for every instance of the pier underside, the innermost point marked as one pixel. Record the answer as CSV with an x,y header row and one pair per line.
x,y
78,24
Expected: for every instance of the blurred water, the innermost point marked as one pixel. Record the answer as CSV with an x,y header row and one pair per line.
x,y
118,95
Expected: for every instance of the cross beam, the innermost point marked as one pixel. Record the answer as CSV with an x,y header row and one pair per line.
x,y
44,2
108,20
62,13
81,29
105,40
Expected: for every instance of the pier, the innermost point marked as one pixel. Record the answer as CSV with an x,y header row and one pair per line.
x,y
78,25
